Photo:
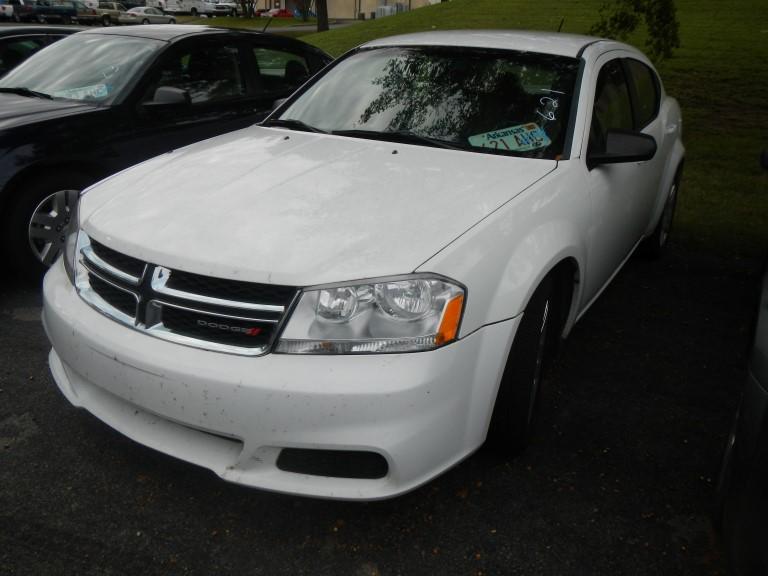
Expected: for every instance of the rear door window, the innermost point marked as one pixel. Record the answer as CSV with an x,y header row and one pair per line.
x,y
646,92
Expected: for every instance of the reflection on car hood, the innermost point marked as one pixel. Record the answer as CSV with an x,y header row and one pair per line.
x,y
20,110
287,207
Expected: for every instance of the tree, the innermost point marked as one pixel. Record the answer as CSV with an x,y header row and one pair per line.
x,y
322,15
304,7
248,7
619,18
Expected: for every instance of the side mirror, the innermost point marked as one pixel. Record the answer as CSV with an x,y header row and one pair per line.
x,y
169,96
623,146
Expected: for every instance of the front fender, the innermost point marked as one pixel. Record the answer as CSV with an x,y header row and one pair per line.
x,y
504,257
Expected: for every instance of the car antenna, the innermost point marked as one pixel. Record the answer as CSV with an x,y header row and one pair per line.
x,y
269,21
562,21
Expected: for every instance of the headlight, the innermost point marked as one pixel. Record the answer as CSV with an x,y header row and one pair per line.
x,y
404,314
70,242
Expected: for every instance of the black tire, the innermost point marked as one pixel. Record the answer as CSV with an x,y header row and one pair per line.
x,y
66,20
193,12
16,18
30,194
145,21
725,478
106,20
653,246
172,21
40,19
517,402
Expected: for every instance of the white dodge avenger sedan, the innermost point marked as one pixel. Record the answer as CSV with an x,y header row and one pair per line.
x,y
350,298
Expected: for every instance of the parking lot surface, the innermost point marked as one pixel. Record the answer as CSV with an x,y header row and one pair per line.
x,y
621,479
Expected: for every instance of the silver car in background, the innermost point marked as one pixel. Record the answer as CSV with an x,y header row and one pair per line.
x,y
146,15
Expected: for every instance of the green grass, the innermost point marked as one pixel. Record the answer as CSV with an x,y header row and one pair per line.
x,y
719,75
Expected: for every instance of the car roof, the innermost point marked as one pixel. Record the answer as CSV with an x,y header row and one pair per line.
x,y
522,40
26,30
171,32
167,32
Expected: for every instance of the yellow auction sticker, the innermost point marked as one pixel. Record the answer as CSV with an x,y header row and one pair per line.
x,y
518,138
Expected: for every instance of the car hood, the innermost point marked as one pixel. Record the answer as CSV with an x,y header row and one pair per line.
x,y
20,110
286,207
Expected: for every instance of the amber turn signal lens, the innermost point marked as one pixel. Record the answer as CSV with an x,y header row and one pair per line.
x,y
449,325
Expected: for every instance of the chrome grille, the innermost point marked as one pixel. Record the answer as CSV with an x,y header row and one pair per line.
x,y
191,309
132,266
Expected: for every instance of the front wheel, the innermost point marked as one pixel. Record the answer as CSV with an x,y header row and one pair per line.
x,y
514,414
36,226
145,21
172,21
106,20
40,19
193,12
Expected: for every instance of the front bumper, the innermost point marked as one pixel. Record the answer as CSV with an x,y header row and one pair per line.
x,y
423,412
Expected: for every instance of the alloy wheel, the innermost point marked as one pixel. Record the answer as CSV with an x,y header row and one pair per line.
x,y
48,225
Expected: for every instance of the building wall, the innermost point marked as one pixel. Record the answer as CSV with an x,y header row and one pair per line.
x,y
351,8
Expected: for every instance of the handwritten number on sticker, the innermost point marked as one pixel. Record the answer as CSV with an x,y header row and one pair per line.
x,y
550,107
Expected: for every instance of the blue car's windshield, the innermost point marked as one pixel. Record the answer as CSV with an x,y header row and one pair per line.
x,y
90,67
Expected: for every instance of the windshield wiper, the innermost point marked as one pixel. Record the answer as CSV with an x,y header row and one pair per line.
x,y
26,92
405,136
293,125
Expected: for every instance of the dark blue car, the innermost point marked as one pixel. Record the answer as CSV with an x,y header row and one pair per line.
x,y
744,477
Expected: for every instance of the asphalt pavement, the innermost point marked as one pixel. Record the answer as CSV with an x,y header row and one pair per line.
x,y
621,479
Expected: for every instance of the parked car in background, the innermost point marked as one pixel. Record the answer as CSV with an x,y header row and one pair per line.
x,y
348,299
6,10
22,10
743,483
191,7
111,12
145,15
108,98
17,43
224,8
64,11
88,15
277,13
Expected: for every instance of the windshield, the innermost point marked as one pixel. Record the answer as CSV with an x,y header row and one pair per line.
x,y
90,67
485,101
